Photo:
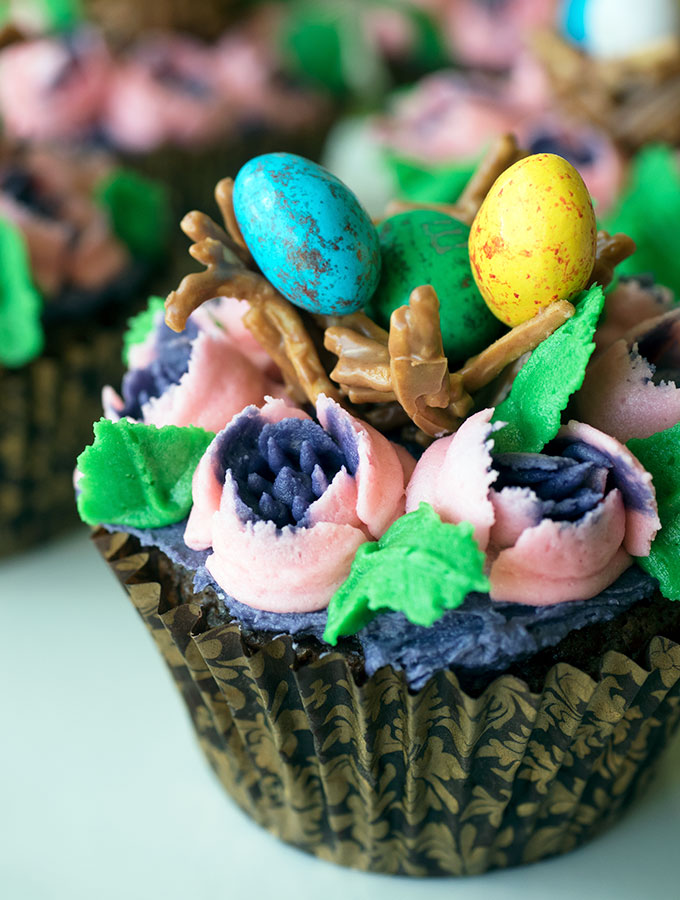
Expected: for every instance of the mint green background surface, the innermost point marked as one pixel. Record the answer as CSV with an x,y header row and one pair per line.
x,y
84,759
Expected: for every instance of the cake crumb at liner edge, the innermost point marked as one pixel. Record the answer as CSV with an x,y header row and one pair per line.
x,y
378,778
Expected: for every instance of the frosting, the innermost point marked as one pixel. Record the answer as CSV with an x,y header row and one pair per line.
x,y
54,87
505,510
282,493
631,389
164,89
138,475
555,528
172,378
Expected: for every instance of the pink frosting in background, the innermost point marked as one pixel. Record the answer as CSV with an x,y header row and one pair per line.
x,y
165,91
50,89
310,562
74,246
492,34
532,560
450,117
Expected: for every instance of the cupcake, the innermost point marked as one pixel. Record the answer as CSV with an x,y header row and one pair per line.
x,y
428,140
80,239
422,616
172,105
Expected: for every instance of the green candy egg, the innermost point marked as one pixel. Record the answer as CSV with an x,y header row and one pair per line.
x,y
427,247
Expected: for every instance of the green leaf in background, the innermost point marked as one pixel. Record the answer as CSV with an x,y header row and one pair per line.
x,y
421,183
420,567
139,326
139,210
660,455
21,331
325,44
649,211
555,370
139,475
62,15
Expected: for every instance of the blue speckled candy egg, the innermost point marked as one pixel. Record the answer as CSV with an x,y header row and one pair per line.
x,y
617,28
308,233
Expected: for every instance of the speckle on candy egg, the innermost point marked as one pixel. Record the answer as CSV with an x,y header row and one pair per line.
x,y
428,247
533,240
308,233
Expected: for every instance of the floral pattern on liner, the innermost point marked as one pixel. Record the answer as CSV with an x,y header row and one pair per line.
x,y
511,777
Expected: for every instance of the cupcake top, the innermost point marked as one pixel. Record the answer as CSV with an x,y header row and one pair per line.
x,y
424,505
164,89
64,218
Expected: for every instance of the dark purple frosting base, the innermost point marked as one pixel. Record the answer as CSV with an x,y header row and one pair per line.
x,y
479,637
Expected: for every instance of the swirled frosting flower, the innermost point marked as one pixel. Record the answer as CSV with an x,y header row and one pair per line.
x,y
556,526
284,502
54,87
632,389
199,377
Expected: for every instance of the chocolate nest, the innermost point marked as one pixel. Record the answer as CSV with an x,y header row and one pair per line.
x,y
396,379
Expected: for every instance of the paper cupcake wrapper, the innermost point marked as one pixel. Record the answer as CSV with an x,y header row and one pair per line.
x,y
376,777
46,412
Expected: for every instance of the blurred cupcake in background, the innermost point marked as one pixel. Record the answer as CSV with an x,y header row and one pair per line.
x,y
79,239
428,142
171,104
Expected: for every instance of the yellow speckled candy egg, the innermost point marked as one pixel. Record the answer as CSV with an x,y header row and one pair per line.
x,y
533,239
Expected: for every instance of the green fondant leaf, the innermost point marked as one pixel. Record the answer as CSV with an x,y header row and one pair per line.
x,y
660,455
139,475
21,332
649,208
543,386
139,210
140,325
430,184
421,567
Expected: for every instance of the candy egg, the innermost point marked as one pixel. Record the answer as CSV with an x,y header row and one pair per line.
x,y
533,239
615,28
427,247
308,233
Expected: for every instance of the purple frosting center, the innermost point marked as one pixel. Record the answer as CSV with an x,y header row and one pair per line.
x,y
568,486
281,468
173,352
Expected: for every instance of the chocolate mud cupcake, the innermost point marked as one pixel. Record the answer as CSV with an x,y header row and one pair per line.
x,y
423,618
80,239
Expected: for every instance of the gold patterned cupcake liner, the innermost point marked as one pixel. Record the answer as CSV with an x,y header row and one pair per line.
x,y
46,412
380,778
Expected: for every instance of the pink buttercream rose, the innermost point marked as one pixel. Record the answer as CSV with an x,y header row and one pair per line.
x,y
166,91
556,526
284,502
200,377
54,87
492,34
631,388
